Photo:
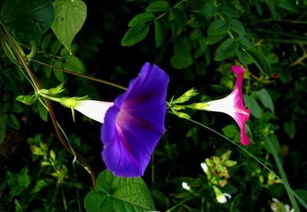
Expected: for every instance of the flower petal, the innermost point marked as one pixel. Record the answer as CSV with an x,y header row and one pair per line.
x,y
93,109
233,104
241,114
241,119
134,125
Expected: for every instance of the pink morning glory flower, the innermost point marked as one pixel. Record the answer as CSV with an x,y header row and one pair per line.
x,y
233,104
133,123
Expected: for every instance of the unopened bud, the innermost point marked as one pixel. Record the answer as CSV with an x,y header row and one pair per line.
x,y
69,102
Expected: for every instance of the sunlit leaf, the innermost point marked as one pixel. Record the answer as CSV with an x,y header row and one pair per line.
x,y
118,194
69,18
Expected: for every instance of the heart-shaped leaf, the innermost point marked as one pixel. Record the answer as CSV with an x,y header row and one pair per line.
x,y
69,18
118,194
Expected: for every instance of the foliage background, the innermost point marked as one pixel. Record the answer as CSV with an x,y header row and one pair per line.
x,y
195,42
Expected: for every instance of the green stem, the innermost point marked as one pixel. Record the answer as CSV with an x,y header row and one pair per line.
x,y
283,176
176,5
64,199
55,99
79,75
180,203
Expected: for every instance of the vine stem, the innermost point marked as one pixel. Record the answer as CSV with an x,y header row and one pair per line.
x,y
79,75
282,180
38,87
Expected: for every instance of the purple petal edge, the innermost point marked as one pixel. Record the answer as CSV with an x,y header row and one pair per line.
x,y
134,125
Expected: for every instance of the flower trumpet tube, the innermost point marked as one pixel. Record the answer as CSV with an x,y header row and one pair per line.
x,y
133,123
232,105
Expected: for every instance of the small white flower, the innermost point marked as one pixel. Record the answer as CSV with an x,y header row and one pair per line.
x,y
221,197
204,167
186,186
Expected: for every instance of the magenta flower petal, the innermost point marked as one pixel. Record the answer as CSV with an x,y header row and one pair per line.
x,y
233,104
134,124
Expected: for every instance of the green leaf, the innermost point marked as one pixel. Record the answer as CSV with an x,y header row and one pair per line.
x,y
274,142
13,122
244,58
159,32
265,99
27,19
58,74
245,42
182,57
212,39
160,198
42,111
23,178
301,193
237,26
69,18
217,27
118,194
55,47
39,185
158,6
226,49
17,182
141,18
260,60
45,43
26,99
178,16
252,104
289,128
210,9
230,131
135,34
74,64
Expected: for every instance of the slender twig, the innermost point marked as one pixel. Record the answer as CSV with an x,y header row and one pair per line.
x,y
301,59
176,5
37,86
79,75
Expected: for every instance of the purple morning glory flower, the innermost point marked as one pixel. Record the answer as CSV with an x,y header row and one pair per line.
x,y
133,124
